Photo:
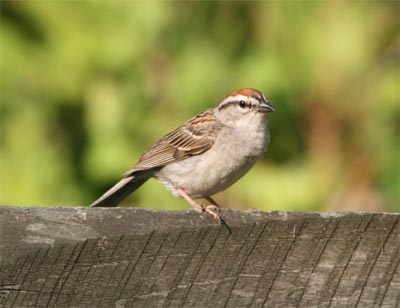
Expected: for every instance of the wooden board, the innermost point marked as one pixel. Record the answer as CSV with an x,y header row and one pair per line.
x,y
127,257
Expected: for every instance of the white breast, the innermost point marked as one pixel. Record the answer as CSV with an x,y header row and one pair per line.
x,y
234,152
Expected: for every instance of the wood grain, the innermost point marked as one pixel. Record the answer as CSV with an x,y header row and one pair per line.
x,y
127,257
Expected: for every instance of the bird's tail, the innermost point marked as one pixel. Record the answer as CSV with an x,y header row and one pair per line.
x,y
121,190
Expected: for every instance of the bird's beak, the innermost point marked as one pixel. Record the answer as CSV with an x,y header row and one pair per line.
x,y
265,107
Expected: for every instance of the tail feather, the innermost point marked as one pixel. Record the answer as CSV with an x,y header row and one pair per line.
x,y
120,191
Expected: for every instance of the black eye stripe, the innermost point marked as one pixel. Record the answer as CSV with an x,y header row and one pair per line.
x,y
235,103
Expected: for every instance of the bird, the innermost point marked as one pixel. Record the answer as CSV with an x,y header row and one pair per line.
x,y
204,156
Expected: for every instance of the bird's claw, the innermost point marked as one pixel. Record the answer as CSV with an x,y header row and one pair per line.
x,y
213,211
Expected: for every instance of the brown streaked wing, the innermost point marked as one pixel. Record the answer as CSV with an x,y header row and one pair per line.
x,y
194,137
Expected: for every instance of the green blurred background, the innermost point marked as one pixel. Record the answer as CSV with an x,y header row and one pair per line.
x,y
87,86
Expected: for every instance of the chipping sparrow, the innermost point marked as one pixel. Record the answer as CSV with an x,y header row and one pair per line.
x,y
205,155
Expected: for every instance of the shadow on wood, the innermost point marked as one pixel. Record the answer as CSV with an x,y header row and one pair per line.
x,y
126,257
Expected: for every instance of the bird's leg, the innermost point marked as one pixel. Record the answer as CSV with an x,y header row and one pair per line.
x,y
193,203
212,210
214,205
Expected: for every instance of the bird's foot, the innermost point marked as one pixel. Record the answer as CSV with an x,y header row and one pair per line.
x,y
213,211
209,209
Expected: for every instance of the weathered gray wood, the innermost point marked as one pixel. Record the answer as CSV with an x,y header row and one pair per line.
x,y
120,257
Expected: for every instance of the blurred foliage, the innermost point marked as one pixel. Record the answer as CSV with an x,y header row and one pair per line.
x,y
87,86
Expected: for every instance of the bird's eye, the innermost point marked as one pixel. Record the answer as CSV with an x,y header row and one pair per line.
x,y
242,104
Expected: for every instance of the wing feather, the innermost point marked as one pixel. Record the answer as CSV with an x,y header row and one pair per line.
x,y
194,137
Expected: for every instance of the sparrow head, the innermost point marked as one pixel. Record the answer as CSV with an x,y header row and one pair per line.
x,y
243,105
